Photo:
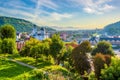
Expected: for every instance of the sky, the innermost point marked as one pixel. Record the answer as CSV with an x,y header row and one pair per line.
x,y
64,14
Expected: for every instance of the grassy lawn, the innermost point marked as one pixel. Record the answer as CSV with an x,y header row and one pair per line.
x,y
13,71
31,61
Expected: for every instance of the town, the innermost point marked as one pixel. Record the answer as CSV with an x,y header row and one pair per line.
x,y
94,36
59,39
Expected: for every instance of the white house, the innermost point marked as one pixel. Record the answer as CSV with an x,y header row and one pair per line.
x,y
40,35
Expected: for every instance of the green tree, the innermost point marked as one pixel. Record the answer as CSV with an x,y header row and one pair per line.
x,y
111,72
80,59
28,45
8,46
99,61
7,31
67,57
103,47
56,46
46,49
40,49
0,46
85,47
68,53
35,51
61,56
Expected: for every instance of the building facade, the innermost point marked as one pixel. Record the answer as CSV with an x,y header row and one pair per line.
x,y
40,35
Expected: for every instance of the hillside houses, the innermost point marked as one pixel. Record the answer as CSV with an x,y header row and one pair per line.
x,y
114,40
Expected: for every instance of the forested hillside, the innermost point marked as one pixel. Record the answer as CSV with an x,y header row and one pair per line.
x,y
20,25
113,29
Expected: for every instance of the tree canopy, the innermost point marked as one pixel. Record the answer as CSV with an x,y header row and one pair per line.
x,y
56,46
103,47
7,31
8,46
113,71
80,59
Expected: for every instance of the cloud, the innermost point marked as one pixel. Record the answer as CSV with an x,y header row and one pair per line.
x,y
107,7
94,6
45,3
57,16
16,13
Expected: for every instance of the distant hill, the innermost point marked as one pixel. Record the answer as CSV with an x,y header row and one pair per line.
x,y
21,25
113,29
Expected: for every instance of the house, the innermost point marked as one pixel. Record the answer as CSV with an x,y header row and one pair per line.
x,y
115,41
63,36
22,36
94,40
112,40
40,35
20,44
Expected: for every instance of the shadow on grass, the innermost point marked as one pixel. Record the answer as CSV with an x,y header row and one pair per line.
x,y
12,71
41,63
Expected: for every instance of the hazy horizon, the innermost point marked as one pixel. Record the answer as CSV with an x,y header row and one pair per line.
x,y
64,14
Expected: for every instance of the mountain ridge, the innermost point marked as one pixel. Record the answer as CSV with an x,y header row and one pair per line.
x,y
112,29
21,25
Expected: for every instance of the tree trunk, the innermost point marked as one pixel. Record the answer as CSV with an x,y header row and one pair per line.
x,y
58,61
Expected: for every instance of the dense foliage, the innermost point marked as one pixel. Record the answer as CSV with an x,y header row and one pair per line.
x,y
0,46
74,57
7,31
112,72
103,47
80,59
55,47
20,25
28,45
8,46
8,39
85,47
99,62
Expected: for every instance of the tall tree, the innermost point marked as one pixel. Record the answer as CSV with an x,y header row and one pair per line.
x,y
99,61
28,45
7,31
0,46
56,46
8,46
103,47
80,59
35,52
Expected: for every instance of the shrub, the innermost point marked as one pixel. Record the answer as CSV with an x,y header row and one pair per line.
x,y
7,31
38,74
8,46
99,62
79,58
103,47
28,45
56,47
113,71
81,63
107,59
92,76
0,46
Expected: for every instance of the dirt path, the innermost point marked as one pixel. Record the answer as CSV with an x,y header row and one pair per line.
x,y
23,64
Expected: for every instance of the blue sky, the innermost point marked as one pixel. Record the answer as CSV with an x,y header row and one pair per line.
x,y
64,14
